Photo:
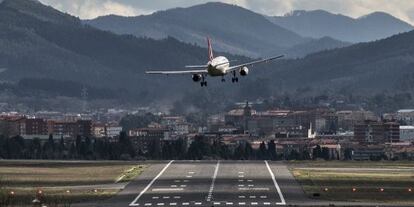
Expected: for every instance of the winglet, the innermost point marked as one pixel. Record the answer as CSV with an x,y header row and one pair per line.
x,y
210,49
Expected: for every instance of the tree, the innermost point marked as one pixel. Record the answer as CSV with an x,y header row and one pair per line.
x,y
61,148
317,152
271,147
348,154
199,149
126,145
263,152
325,153
239,152
154,149
49,148
248,151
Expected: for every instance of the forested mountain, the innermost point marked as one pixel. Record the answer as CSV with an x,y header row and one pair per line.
x,y
233,29
46,54
40,42
386,65
319,23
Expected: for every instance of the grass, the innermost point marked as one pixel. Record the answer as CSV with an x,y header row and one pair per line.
x,y
336,180
62,183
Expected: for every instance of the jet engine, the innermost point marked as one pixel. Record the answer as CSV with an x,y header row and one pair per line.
x,y
244,71
196,77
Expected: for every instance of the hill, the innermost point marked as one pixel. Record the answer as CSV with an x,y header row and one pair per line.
x,y
233,29
38,42
319,23
385,65
46,54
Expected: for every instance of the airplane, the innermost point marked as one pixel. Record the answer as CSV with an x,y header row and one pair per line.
x,y
216,66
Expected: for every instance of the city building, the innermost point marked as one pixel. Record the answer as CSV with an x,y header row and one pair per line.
x,y
70,129
348,119
112,130
161,133
406,116
369,132
407,133
371,152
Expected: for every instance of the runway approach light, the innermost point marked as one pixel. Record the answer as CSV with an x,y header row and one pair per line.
x,y
382,189
410,190
39,192
354,189
95,190
12,193
67,191
326,189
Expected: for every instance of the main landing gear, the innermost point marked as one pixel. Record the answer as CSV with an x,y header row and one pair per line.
x,y
234,79
203,81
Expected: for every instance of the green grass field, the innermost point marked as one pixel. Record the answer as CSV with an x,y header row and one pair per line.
x,y
62,183
357,181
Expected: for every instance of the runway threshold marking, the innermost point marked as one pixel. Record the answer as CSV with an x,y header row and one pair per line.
x,y
210,192
282,199
133,203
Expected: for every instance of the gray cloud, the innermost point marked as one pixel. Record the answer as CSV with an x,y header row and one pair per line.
x,y
402,9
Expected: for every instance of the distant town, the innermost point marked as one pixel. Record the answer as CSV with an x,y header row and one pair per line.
x,y
239,133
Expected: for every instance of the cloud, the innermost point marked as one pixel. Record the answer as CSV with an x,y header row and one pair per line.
x,y
403,9
93,8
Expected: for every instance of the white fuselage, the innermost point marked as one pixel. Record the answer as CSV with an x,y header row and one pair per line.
x,y
218,66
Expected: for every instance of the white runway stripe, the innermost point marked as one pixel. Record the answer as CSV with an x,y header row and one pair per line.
x,y
133,203
210,192
282,199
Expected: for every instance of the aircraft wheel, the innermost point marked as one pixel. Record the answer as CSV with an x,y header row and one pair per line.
x,y
237,79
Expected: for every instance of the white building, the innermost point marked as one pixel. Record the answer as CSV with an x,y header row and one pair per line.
x,y
407,133
406,116
113,131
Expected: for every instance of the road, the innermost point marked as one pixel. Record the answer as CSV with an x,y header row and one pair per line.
x,y
211,183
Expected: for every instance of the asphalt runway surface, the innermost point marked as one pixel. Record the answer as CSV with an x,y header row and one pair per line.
x,y
211,183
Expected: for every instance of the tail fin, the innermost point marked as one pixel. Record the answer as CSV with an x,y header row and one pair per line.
x,y
210,50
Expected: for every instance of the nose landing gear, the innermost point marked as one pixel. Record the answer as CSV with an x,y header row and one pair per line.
x,y
235,79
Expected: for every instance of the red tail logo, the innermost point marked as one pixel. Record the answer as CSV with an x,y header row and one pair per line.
x,y
210,50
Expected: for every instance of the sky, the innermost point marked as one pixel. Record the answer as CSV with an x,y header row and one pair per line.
x,y
87,9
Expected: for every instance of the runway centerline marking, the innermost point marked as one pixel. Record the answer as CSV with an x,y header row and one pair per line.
x,y
167,189
210,192
282,199
133,203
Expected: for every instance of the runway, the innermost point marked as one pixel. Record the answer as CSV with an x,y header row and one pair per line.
x,y
211,183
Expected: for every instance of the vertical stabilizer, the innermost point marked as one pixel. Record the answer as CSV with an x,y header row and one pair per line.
x,y
210,50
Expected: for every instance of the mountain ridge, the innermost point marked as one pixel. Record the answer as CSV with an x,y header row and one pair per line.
x,y
319,23
234,29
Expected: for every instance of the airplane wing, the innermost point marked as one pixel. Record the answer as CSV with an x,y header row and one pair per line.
x,y
196,66
177,72
232,68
